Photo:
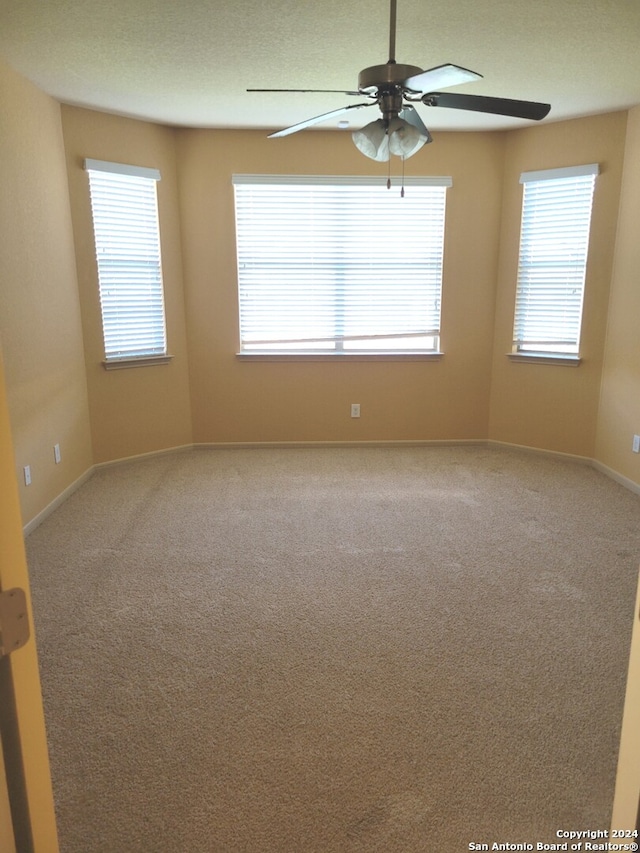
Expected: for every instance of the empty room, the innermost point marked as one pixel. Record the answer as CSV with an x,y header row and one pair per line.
x,y
320,427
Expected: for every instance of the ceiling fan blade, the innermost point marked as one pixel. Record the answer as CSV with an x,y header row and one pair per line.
x,y
316,120
309,91
483,104
440,77
410,114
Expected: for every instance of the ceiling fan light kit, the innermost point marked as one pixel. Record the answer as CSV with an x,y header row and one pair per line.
x,y
394,88
379,139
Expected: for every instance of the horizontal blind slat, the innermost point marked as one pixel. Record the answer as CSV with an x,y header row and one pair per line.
x,y
554,240
338,262
127,242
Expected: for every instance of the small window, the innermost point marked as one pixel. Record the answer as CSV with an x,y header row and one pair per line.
x,y
554,243
127,240
339,265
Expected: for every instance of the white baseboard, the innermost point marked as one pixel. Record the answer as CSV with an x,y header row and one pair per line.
x,y
619,478
249,445
256,445
124,460
30,526
37,520
558,454
594,463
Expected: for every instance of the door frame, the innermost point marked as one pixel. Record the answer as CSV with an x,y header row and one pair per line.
x,y
27,786
626,801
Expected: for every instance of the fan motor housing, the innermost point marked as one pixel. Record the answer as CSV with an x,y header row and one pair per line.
x,y
380,76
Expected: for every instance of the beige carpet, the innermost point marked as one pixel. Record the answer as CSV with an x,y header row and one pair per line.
x,y
366,650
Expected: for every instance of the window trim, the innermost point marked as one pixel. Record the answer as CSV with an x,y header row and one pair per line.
x,y
136,361
124,360
352,354
561,359
122,169
333,355
558,357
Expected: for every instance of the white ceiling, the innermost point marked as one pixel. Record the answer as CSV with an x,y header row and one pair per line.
x,y
189,62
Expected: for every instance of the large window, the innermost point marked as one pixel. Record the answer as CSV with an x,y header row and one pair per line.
x,y
127,241
554,242
339,265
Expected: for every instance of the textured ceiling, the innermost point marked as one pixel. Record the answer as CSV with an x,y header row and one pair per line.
x,y
190,63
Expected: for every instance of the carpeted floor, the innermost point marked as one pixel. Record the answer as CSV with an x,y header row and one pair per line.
x,y
349,650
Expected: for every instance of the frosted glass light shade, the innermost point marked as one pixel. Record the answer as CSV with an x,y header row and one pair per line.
x,y
404,138
372,140
379,139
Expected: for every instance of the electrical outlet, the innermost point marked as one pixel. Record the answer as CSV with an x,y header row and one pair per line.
x,y
636,444
27,475
56,453
355,410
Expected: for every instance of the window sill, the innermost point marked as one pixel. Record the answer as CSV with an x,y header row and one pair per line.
x,y
143,361
339,356
544,358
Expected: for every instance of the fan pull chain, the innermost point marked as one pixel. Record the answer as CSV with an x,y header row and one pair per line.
x,y
389,176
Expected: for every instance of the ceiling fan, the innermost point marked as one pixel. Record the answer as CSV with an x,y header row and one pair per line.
x,y
394,88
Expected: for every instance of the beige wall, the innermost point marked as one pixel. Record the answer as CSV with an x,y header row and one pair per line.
x,y
206,394
309,401
142,409
619,412
40,328
550,406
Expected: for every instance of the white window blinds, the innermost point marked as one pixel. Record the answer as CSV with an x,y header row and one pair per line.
x,y
554,242
127,241
339,264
